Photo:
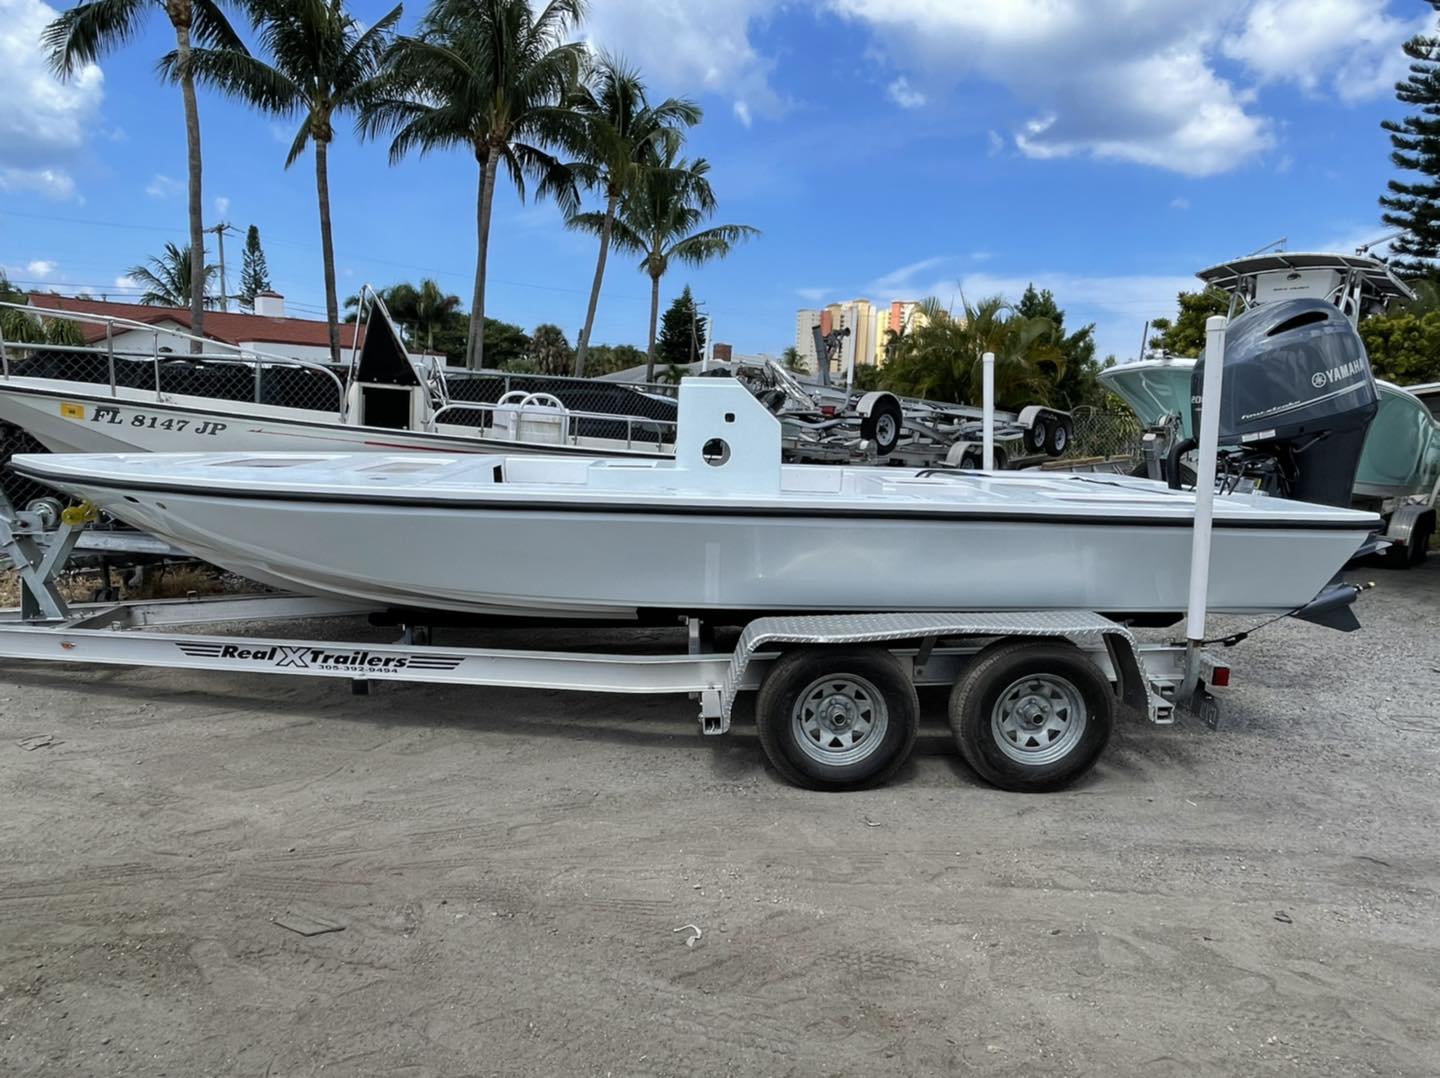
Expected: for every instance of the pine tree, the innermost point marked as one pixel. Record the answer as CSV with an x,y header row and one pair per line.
x,y
254,274
1415,207
682,332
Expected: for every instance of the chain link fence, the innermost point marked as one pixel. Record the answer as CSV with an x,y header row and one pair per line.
x,y
220,377
1104,434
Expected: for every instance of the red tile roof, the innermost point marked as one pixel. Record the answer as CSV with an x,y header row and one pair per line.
x,y
219,325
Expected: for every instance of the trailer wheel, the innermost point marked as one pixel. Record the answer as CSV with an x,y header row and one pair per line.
x,y
833,718
1057,435
881,421
1037,435
1031,715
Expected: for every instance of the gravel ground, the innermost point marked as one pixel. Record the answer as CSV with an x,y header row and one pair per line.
x,y
509,870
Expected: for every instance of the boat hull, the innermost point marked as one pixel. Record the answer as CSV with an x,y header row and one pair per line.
x,y
606,563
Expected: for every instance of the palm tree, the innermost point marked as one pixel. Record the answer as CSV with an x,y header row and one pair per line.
x,y
939,357
423,309
621,132
493,76
167,280
322,63
92,27
658,219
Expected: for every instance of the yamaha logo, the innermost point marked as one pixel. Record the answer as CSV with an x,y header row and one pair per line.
x,y
1318,379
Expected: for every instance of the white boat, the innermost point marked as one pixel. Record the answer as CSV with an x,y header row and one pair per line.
x,y
724,526
109,397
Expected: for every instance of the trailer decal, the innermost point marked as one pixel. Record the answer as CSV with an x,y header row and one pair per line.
x,y
306,657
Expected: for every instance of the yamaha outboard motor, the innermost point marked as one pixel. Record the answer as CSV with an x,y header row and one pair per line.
x,y
1296,400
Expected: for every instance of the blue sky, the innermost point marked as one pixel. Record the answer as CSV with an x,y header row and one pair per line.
x,y
890,149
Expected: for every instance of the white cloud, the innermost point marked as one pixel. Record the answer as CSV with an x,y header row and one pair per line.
x,y
902,279
1352,44
1180,203
41,268
742,113
1165,83
125,282
44,123
995,143
814,295
905,95
685,46
162,186
55,183
222,206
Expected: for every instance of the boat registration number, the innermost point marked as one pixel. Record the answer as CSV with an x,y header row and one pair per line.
x,y
114,415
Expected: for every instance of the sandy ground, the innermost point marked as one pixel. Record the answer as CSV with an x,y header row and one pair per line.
x,y
510,869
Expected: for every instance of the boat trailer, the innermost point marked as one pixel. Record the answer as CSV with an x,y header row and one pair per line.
x,y
1033,693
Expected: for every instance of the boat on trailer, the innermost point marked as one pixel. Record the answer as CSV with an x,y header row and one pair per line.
x,y
1397,470
725,528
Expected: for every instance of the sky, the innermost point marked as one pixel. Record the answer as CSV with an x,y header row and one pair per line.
x,y
886,149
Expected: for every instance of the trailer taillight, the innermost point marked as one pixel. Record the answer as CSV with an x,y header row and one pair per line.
x,y
1220,677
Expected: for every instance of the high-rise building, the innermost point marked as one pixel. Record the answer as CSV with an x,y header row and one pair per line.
x,y
806,319
869,325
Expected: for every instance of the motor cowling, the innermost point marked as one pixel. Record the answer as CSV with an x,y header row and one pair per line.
x,y
1296,399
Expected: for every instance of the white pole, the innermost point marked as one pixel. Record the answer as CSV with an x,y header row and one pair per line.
x,y
987,403
1205,479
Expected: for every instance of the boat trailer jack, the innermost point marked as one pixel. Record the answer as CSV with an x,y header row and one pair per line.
x,y
38,562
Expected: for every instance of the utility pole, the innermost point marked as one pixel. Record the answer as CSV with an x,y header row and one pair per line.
x,y
220,230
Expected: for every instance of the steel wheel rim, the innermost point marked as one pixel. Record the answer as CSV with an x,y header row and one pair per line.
x,y
885,430
839,720
1039,719
1061,439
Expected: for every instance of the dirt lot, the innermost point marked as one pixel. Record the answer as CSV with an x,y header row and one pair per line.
x,y
510,869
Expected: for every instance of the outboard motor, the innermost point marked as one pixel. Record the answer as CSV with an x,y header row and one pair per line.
x,y
1296,400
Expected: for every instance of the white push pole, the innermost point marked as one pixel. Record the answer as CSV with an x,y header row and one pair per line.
x,y
987,404
1205,482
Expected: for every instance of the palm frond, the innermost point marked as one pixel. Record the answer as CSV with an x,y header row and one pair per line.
x,y
238,74
85,32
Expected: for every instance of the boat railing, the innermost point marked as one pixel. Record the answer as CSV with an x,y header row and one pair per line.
x,y
549,422
205,372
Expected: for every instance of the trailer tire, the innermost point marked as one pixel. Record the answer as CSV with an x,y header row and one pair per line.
x,y
881,421
1058,432
1032,716
1414,550
837,718
1037,434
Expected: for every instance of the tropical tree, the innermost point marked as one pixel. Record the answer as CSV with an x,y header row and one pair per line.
x,y
92,28
621,134
495,77
940,356
425,309
28,326
659,220
1184,335
793,361
322,63
254,272
549,350
1077,377
167,281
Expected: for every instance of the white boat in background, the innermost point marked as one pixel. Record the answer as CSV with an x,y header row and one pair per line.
x,y
724,527
101,399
